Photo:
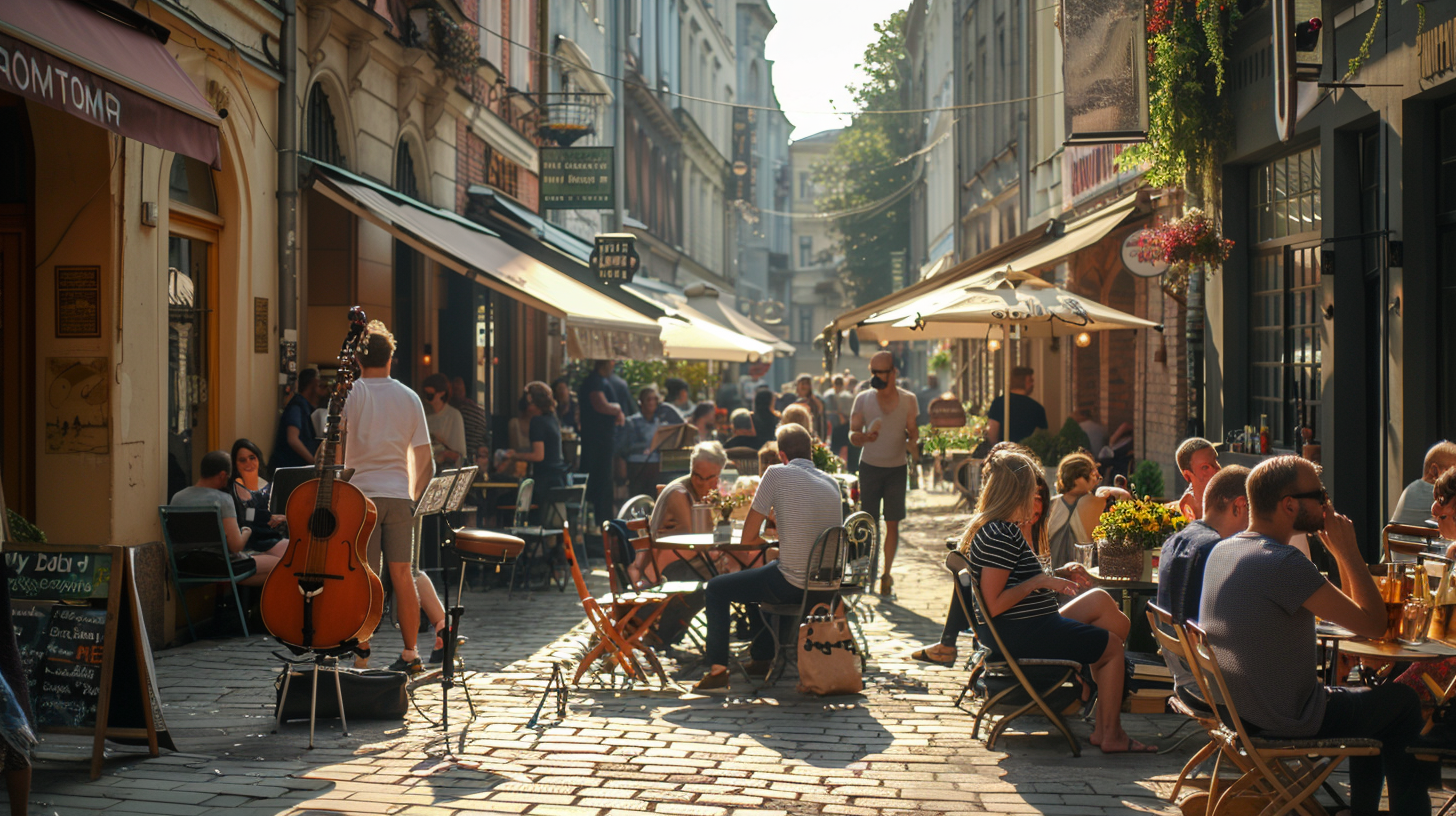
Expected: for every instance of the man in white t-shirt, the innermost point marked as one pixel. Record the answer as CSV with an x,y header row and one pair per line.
x,y
444,422
388,445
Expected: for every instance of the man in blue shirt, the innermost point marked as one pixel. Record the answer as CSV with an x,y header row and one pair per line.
x,y
1180,566
296,441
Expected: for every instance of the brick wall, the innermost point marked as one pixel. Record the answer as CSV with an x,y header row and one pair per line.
x,y
470,155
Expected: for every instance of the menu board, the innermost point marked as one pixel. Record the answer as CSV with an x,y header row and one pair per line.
x,y
70,672
57,576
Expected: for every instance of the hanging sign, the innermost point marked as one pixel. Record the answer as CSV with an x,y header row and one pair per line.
x,y
1135,263
1104,71
745,139
577,178
614,259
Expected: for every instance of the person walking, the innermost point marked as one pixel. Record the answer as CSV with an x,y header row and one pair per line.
x,y
882,425
601,413
387,432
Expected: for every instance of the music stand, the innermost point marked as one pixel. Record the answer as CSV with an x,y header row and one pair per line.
x,y
444,494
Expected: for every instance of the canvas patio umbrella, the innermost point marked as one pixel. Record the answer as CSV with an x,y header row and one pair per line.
x,y
689,339
1004,298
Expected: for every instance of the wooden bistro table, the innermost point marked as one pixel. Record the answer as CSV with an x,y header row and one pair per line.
x,y
1382,652
687,545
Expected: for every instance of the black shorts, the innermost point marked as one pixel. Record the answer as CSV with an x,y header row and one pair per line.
x,y
1049,637
882,485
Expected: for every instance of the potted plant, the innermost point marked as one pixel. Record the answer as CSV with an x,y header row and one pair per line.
x,y
1127,534
724,504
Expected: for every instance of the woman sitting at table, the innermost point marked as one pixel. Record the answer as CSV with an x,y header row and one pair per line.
x,y
1443,510
251,494
1033,529
1074,512
673,514
1022,597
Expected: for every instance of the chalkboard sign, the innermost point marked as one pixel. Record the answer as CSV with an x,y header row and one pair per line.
x,y
58,576
70,674
84,644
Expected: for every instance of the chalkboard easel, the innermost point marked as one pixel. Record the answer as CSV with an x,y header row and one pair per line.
x,y
83,656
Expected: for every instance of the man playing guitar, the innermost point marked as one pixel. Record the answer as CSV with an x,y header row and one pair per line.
x,y
389,449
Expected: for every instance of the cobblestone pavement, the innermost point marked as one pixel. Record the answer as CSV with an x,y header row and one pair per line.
x,y
900,747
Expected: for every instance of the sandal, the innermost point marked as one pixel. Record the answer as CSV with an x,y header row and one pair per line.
x,y
925,656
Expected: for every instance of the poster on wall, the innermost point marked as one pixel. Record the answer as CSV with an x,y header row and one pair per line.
x,y
77,405
78,301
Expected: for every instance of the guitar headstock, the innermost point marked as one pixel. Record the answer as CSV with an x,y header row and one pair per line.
x,y
349,352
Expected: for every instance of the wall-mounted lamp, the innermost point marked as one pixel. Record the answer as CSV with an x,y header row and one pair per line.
x,y
1083,340
993,344
427,357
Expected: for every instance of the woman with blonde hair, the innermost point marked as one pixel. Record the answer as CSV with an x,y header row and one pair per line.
x,y
1021,596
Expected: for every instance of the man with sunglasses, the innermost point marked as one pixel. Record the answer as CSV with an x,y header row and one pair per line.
x,y
446,425
1260,599
882,425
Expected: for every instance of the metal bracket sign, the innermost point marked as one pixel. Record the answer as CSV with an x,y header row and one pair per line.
x,y
614,259
577,178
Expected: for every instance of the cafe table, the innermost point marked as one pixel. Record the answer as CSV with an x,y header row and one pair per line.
x,y
687,545
1129,591
1383,652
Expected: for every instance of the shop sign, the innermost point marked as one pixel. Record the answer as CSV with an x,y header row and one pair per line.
x,y
78,301
260,326
745,139
1104,71
1437,49
577,178
614,259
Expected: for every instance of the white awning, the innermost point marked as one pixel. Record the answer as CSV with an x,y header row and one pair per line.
x,y
596,325
688,334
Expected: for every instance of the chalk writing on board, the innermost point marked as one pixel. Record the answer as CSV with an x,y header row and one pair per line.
x,y
70,673
57,576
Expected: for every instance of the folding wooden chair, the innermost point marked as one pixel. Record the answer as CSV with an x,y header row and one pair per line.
x,y
1026,685
1409,540
622,541
620,623
1288,771
189,530
1172,639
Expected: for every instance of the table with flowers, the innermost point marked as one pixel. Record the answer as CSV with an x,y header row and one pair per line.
x,y
1129,536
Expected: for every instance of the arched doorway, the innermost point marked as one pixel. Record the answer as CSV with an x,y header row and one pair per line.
x,y
192,345
17,301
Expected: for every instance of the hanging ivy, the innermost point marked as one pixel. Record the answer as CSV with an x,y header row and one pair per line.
x,y
1188,121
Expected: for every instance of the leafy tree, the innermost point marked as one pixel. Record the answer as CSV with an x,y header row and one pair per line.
x,y
863,175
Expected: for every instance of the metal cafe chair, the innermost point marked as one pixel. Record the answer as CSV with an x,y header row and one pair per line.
x,y
824,577
195,538
1024,685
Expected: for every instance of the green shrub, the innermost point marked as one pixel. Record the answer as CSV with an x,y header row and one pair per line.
x,y
1051,447
1146,480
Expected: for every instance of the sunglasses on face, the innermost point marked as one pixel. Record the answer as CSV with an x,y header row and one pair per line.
x,y
882,371
1322,495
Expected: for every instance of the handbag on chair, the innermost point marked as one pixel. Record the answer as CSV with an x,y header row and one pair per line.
x,y
828,656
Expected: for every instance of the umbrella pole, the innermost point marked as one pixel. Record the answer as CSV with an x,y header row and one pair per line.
x,y
1006,388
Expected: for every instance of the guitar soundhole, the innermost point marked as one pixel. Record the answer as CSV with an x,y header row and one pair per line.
x,y
322,523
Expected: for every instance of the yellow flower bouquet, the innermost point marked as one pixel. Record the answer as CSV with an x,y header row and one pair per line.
x,y
1127,533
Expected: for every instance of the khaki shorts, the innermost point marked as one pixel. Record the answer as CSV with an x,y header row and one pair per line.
x,y
393,536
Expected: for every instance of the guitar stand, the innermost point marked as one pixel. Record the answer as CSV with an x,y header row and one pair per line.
x,y
321,660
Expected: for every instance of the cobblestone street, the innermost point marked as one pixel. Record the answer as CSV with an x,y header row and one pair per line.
x,y
902,746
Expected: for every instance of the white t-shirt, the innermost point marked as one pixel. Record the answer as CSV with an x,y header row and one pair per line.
x,y
386,422
449,427
321,421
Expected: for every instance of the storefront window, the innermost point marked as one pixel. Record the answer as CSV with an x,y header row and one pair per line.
x,y
190,183
1285,352
189,261
1446,247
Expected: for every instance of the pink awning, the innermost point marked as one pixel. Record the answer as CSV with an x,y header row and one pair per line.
x,y
108,68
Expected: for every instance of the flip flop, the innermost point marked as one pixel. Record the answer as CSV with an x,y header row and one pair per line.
x,y
1133,747
924,657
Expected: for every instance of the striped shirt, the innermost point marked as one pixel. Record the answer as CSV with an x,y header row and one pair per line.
x,y
805,502
1000,545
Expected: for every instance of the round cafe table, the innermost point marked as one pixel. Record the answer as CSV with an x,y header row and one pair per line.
x,y
685,545
1389,652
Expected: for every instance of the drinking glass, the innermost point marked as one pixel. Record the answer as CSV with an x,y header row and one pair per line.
x,y
1086,554
1415,617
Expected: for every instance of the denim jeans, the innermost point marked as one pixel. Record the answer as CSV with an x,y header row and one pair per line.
x,y
1392,714
753,586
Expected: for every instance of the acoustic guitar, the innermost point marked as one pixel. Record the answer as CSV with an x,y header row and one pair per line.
x,y
323,595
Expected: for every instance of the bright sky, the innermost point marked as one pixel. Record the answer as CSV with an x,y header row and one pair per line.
x,y
814,48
